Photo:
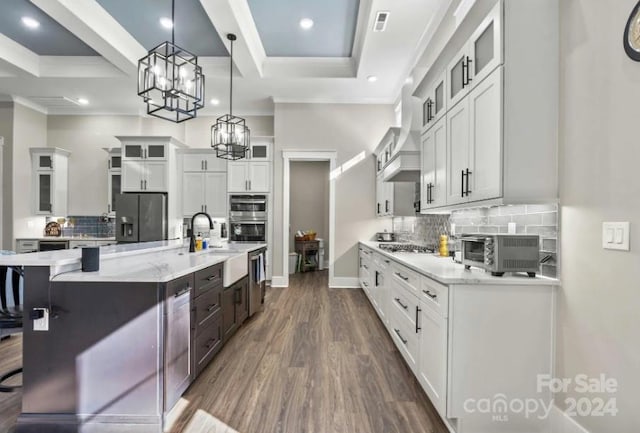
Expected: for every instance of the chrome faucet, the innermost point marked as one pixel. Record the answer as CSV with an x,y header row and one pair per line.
x,y
192,237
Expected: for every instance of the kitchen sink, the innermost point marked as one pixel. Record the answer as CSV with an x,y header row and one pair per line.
x,y
235,267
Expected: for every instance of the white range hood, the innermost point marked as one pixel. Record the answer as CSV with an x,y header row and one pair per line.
x,y
404,165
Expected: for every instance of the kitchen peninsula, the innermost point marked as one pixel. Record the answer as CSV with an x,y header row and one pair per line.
x,y
118,347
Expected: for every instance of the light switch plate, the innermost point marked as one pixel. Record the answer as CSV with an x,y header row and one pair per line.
x,y
42,324
615,235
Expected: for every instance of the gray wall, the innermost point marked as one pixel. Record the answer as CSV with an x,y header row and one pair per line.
x,y
309,197
598,309
6,173
349,130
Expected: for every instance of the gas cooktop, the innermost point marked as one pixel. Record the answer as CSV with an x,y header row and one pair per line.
x,y
406,248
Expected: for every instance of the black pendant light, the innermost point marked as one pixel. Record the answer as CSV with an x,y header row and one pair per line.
x,y
170,80
230,135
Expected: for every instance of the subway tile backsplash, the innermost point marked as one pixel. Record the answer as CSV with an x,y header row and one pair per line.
x,y
540,219
92,226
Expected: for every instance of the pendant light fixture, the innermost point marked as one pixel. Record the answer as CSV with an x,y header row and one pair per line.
x,y
170,80
230,135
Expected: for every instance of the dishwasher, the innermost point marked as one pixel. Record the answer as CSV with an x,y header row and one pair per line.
x,y
257,280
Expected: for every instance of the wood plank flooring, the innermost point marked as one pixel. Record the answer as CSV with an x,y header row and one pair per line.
x,y
317,360
10,403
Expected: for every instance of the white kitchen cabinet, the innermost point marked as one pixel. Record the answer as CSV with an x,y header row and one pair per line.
x,y
144,176
50,181
474,127
245,176
77,244
205,161
434,166
477,58
114,178
145,151
434,106
432,360
204,192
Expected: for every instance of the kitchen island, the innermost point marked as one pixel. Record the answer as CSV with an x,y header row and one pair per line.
x,y
119,346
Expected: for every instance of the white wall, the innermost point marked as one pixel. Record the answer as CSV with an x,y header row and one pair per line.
x,y
29,130
6,173
599,304
309,200
349,130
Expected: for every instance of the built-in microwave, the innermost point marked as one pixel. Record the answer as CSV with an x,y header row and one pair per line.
x,y
500,253
248,207
248,231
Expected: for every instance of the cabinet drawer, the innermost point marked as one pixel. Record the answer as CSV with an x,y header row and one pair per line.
x,y
435,296
406,305
175,287
406,277
208,278
206,306
405,338
208,343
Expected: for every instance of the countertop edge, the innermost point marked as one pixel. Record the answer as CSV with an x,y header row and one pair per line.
x,y
481,279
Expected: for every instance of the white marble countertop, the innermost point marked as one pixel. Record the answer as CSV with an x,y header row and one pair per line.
x,y
145,261
446,271
68,238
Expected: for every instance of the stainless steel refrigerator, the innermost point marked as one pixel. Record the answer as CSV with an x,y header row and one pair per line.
x,y
141,217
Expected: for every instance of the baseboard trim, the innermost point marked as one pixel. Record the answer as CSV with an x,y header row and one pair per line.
x,y
563,423
344,283
279,281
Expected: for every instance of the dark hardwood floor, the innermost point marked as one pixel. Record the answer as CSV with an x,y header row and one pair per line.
x,y
317,360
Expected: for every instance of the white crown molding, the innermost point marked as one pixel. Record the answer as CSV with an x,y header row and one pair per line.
x,y
30,104
334,100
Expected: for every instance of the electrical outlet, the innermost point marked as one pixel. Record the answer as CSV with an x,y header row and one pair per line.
x,y
615,236
42,323
511,228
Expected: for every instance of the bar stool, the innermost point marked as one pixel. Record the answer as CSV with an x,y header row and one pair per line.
x,y
10,315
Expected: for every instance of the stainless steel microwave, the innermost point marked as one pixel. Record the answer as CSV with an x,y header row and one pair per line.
x,y
500,253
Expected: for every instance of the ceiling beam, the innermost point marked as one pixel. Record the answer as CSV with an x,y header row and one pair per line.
x,y
234,16
94,26
17,59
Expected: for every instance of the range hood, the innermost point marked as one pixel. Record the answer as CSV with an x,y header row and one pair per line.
x,y
404,165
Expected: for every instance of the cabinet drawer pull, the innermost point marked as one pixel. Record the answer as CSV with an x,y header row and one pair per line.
x,y
397,331
365,266
418,310
211,307
468,191
365,284
429,294
210,343
406,307
212,277
402,276
462,185
387,261
182,292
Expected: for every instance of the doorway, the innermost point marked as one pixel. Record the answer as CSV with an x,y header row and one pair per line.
x,y
327,160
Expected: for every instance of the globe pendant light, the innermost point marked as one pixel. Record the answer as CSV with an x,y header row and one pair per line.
x,y
170,81
230,135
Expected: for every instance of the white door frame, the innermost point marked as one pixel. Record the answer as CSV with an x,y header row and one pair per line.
x,y
309,156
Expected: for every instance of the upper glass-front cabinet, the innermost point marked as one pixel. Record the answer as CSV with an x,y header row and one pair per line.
x,y
49,180
434,105
477,58
260,148
144,151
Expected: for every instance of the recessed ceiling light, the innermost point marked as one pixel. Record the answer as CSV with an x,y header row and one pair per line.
x,y
83,101
30,22
166,22
215,102
306,23
372,78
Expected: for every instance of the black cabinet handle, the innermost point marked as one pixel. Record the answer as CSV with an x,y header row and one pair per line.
x,y
402,276
429,294
376,279
212,277
386,205
418,310
406,307
378,207
387,261
466,76
397,331
209,344
182,292
462,185
365,266
211,307
467,189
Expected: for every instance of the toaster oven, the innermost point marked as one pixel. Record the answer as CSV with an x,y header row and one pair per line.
x,y
500,253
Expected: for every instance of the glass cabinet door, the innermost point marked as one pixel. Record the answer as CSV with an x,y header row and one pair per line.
x,y
45,192
438,99
485,46
114,190
116,162
45,162
155,151
133,151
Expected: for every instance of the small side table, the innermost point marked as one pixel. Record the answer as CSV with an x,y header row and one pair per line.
x,y
308,252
